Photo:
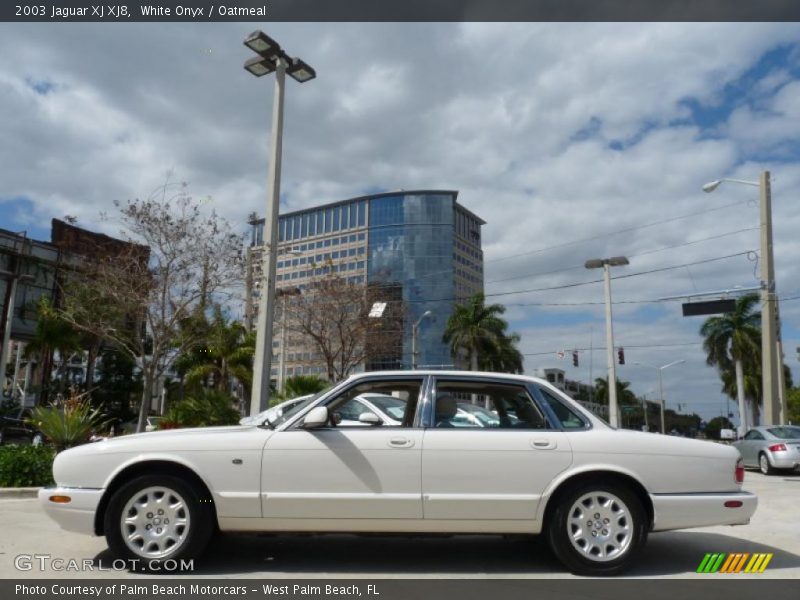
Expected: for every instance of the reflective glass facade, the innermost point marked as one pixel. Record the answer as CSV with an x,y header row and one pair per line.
x,y
411,244
418,250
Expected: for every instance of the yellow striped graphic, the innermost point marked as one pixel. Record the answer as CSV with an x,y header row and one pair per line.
x,y
758,563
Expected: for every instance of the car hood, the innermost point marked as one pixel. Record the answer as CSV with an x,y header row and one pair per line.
x,y
194,439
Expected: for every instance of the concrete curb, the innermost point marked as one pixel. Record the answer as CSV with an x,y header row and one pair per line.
x,y
18,492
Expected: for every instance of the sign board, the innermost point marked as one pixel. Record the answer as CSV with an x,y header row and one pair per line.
x,y
727,434
708,307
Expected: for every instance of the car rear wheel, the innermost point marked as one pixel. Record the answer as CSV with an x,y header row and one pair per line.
x,y
151,519
764,466
597,529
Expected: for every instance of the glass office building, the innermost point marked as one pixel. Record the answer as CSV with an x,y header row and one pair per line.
x,y
421,245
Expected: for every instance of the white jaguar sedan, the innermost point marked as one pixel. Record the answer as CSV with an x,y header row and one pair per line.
x,y
543,466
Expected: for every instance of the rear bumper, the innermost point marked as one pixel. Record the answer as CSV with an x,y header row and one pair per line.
x,y
76,515
682,511
784,460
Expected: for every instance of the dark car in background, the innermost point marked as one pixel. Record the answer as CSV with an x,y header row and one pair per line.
x,y
16,428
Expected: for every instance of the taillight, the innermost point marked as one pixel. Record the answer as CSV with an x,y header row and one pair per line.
x,y
777,448
738,474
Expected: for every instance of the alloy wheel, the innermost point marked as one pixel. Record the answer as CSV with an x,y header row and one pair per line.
x,y
600,526
155,522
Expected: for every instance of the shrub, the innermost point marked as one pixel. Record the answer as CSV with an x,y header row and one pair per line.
x,y
26,466
70,424
206,408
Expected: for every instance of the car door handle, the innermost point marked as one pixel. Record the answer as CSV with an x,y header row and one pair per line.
x,y
544,444
401,442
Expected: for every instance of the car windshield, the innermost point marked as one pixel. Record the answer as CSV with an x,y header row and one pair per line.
x,y
785,433
394,407
288,414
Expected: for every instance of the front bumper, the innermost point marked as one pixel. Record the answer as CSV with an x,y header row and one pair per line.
x,y
682,511
76,515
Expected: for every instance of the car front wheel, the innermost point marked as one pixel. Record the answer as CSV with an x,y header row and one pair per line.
x,y
597,529
764,466
151,519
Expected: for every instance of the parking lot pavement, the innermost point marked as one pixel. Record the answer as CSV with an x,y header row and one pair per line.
x,y
774,528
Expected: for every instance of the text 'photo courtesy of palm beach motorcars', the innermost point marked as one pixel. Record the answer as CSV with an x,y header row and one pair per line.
x,y
405,452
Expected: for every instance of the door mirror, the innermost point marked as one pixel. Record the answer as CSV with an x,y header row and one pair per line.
x,y
369,418
317,417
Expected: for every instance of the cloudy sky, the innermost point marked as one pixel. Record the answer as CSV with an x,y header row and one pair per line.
x,y
573,141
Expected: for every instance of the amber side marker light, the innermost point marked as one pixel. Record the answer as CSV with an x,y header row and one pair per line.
x,y
60,499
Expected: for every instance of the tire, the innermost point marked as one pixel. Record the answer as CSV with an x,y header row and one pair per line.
x,y
2,437
763,464
135,507
587,514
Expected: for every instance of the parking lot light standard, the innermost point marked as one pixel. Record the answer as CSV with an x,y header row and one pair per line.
x,y
271,58
605,264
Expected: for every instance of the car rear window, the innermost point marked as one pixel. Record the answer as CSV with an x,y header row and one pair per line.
x,y
785,433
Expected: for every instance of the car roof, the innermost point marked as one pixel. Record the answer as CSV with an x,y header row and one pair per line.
x,y
449,373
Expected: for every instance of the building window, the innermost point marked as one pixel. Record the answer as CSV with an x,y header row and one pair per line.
x,y
328,220
336,217
353,215
362,213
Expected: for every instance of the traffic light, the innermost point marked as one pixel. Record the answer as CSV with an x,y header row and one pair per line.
x,y
621,356
574,358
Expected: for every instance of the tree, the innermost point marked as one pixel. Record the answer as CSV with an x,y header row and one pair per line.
x,y
625,396
732,342
477,330
53,336
303,385
136,299
793,405
227,354
331,315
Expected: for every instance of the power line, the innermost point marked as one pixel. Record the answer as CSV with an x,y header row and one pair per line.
x,y
625,230
662,249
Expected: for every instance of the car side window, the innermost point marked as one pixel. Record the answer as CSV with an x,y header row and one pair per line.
x,y
753,435
383,403
568,417
481,405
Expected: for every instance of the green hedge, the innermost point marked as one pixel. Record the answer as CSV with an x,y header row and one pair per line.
x,y
26,466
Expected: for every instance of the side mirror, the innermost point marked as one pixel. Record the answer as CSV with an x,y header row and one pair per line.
x,y
317,417
369,418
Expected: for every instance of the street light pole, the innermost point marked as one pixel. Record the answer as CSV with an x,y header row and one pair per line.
x,y
772,384
414,330
262,362
612,366
606,264
271,57
662,402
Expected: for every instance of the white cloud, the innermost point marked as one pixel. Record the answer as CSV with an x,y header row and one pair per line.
x,y
551,132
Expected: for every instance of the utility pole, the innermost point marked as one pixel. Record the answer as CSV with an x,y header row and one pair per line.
x,y
769,321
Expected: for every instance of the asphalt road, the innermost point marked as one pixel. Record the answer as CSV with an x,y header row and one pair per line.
x,y
25,530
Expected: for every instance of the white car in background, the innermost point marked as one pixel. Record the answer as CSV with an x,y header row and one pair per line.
x,y
541,464
274,412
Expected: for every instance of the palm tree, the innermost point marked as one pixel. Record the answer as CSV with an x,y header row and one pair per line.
x,y
52,335
624,395
478,331
227,354
733,344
